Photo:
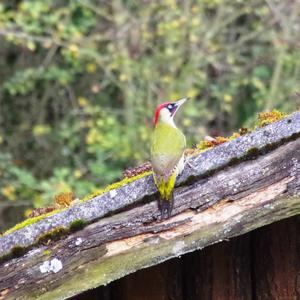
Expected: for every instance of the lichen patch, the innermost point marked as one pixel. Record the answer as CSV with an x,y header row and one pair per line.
x,y
78,241
178,247
53,266
113,193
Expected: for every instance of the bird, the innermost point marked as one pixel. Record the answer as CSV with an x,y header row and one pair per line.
x,y
167,153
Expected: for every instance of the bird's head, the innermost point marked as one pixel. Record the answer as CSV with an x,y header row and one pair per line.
x,y
166,111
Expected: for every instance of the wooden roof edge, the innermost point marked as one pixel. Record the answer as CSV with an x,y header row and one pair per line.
x,y
128,195
234,197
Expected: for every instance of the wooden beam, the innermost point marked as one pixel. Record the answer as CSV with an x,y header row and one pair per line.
x,y
222,196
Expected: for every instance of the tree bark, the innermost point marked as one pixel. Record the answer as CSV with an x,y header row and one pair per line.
x,y
230,190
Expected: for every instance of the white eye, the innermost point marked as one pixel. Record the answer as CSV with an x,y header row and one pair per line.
x,y
170,106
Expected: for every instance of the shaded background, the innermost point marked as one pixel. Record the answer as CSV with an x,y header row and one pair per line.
x,y
80,80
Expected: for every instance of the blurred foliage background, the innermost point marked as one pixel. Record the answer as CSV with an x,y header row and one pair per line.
x,y
80,80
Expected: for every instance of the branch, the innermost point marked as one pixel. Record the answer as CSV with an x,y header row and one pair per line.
x,y
34,38
231,189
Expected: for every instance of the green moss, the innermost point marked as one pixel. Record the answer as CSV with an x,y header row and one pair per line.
x,y
97,193
116,185
47,252
77,225
252,152
233,161
30,221
17,251
52,235
234,136
263,119
270,147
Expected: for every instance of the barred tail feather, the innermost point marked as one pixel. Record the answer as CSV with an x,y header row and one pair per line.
x,y
165,187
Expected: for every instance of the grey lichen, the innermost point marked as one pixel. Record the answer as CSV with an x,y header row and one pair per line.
x,y
51,266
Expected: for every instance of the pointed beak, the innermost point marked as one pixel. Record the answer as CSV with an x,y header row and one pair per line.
x,y
180,102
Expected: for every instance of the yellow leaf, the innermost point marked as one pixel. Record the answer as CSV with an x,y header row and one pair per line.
x,y
196,21
8,191
227,98
40,130
123,77
82,101
31,45
74,50
192,93
77,173
91,68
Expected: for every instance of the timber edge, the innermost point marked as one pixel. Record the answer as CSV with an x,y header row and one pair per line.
x,y
143,190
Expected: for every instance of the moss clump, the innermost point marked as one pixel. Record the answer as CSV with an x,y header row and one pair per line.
x,y
116,185
64,199
204,145
77,225
263,119
52,235
235,160
266,118
212,142
244,130
234,136
252,153
30,221
17,251
218,140
97,193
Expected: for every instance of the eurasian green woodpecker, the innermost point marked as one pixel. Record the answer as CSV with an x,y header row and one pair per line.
x,y
167,153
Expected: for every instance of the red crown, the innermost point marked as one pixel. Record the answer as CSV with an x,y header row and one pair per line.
x,y
158,109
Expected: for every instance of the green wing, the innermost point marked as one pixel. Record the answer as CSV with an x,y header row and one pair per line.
x,y
168,144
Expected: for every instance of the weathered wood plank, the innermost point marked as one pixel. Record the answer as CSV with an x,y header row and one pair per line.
x,y
135,192
245,196
220,272
246,267
276,257
160,282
